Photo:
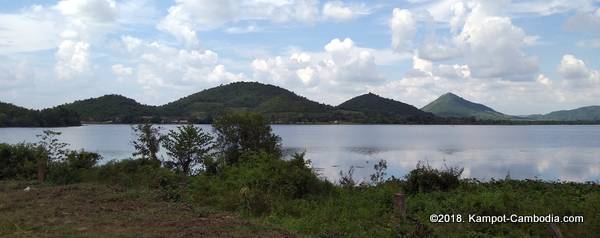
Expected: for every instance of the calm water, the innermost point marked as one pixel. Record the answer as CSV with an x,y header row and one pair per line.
x,y
547,152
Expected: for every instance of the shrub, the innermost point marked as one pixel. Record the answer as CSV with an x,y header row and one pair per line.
x,y
137,173
19,161
258,182
76,168
424,178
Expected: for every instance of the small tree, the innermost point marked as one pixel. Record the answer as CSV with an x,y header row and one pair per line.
x,y
188,146
147,141
379,175
245,132
54,151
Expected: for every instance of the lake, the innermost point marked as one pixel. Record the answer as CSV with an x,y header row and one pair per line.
x,y
557,152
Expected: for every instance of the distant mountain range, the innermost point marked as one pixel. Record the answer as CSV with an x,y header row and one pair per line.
x,y
280,106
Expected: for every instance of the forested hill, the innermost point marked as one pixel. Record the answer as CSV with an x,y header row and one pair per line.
x,y
15,116
112,109
277,103
591,113
451,105
382,110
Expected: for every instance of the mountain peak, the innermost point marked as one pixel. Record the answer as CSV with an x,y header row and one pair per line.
x,y
452,105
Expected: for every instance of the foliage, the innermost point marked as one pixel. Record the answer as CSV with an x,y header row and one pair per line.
x,y
258,183
76,168
242,133
147,141
188,147
19,161
379,176
347,179
14,116
55,150
427,179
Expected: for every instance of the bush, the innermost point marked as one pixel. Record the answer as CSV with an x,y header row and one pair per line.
x,y
19,161
258,183
137,173
427,179
76,168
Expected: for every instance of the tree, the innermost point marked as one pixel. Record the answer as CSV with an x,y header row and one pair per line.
x,y
188,146
54,151
245,132
147,142
379,176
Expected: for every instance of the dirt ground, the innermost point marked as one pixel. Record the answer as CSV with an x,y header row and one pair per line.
x,y
87,210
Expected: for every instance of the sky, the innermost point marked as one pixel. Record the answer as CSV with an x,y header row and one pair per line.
x,y
519,57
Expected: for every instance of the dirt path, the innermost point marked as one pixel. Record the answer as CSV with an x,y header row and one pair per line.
x,y
86,210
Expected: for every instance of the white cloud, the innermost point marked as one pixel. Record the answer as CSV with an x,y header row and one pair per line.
x,y
403,27
339,11
492,46
584,21
90,11
29,30
572,68
121,71
71,59
187,17
340,71
159,66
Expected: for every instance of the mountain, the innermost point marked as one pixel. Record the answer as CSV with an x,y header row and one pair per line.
x,y
15,116
451,105
244,96
590,113
377,109
114,108
374,104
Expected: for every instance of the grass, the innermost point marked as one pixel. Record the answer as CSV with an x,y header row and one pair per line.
x,y
96,210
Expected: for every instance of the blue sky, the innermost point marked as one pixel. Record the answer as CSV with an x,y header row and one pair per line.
x,y
519,57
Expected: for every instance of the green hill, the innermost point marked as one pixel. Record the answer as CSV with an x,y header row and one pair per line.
x,y
276,102
374,104
383,110
590,113
113,108
451,105
15,116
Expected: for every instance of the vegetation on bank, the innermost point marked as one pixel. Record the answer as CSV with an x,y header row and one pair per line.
x,y
241,170
14,116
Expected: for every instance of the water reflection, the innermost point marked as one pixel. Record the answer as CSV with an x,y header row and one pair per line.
x,y
570,153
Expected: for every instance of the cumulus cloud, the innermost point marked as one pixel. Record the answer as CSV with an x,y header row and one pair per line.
x,y
403,27
339,11
159,66
573,68
342,67
71,59
492,46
